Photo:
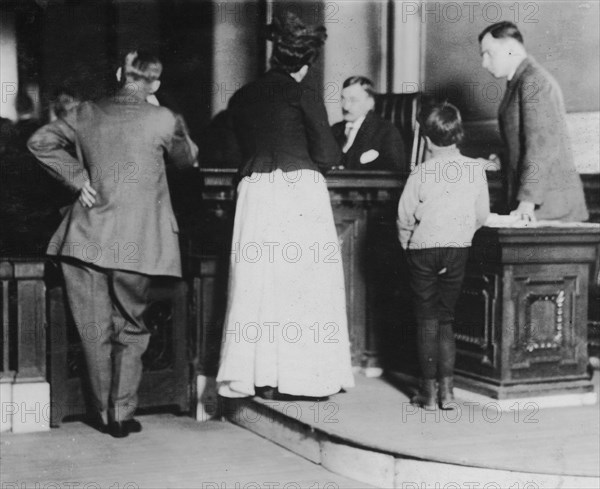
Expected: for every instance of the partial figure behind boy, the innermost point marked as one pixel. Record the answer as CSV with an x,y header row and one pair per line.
x,y
444,202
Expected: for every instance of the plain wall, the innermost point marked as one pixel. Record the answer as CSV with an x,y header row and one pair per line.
x,y
356,45
9,79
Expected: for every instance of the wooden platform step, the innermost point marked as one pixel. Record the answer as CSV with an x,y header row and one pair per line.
x,y
426,457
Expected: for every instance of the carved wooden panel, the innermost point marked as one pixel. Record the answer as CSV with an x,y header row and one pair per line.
x,y
7,334
208,277
475,325
351,229
546,316
390,324
23,320
159,318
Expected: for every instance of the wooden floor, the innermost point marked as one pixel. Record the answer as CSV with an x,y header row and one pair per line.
x,y
378,416
171,452
179,452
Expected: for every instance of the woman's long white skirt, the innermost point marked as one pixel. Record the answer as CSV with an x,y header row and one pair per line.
x,y
286,323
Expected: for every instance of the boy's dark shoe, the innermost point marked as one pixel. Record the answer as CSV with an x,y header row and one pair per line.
x,y
446,393
426,398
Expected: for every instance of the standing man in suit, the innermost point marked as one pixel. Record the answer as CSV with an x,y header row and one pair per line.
x,y
368,142
540,175
121,231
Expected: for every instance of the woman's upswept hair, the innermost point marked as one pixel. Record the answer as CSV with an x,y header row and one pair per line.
x,y
294,44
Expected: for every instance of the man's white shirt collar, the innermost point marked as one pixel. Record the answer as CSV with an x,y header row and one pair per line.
x,y
355,126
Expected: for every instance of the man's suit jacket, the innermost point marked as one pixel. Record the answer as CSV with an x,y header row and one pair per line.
x,y
121,146
374,133
540,166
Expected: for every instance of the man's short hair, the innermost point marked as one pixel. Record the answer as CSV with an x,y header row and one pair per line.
x,y
363,81
502,30
142,65
443,125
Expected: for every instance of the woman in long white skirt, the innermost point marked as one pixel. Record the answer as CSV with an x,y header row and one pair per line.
x,y
286,324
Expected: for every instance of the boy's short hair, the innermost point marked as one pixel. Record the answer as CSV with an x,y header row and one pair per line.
x,y
443,125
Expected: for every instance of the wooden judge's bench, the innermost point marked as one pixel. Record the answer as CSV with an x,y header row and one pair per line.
x,y
522,318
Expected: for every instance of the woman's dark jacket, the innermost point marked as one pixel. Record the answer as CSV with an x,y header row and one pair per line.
x,y
282,124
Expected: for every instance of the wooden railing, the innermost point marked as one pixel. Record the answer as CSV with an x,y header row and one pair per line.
x,y
23,322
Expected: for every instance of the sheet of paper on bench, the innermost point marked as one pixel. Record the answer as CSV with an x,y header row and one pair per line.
x,y
504,221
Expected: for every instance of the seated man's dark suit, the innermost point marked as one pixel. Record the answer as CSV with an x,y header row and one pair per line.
x,y
376,134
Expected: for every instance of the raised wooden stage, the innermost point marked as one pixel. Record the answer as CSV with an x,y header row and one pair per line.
x,y
373,434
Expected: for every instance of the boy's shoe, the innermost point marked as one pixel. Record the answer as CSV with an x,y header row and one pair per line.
x,y
446,393
426,398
